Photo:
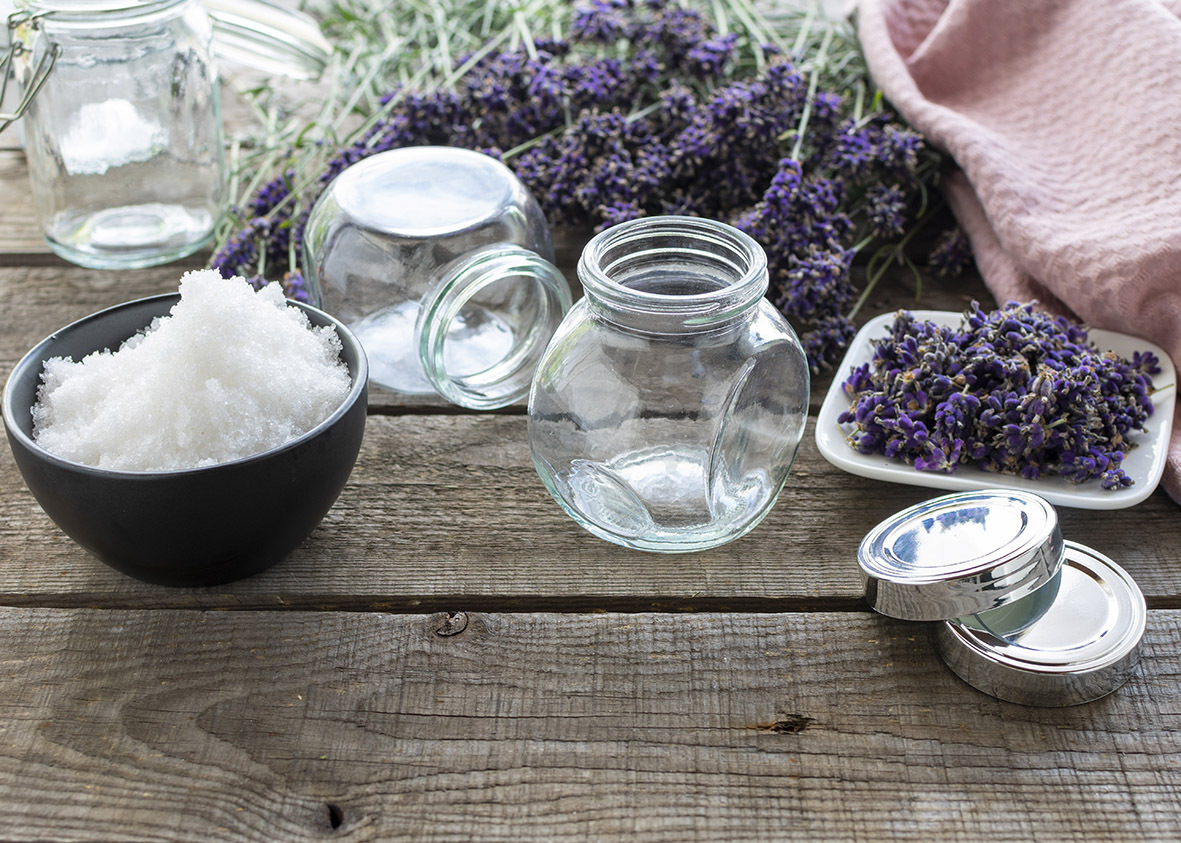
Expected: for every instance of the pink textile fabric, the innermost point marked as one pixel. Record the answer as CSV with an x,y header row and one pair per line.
x,y
1064,117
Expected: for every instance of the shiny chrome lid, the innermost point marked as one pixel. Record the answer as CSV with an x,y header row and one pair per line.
x,y
961,554
1072,642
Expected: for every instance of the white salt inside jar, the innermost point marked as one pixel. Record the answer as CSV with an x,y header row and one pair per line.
x,y
230,372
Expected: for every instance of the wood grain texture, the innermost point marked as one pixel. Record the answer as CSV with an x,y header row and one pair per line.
x,y
443,510
273,726
402,675
20,235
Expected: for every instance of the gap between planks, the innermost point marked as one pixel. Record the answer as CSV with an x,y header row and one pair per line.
x,y
166,599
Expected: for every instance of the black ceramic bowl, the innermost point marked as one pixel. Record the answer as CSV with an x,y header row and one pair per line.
x,y
192,527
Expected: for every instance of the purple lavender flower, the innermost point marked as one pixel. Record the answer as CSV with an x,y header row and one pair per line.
x,y
707,59
952,254
295,287
607,139
270,195
826,341
601,21
1013,391
552,47
886,208
618,212
898,148
240,253
815,284
674,30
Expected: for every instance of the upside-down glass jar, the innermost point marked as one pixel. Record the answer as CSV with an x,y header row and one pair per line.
x,y
124,138
667,410
440,261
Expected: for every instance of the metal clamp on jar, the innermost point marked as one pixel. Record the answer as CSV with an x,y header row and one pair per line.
x,y
667,411
440,261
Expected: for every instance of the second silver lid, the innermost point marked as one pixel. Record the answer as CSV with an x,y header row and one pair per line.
x,y
961,554
1078,642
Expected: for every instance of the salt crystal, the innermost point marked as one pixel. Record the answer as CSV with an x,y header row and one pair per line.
x,y
227,374
102,135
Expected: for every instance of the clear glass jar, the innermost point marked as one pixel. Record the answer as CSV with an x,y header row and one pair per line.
x,y
440,261
667,410
124,139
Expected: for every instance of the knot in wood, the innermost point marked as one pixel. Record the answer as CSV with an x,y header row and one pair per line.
x,y
788,724
453,624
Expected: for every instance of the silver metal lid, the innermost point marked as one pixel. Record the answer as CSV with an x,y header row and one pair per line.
x,y
1078,642
961,554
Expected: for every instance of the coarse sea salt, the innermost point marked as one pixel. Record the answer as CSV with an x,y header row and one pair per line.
x,y
230,372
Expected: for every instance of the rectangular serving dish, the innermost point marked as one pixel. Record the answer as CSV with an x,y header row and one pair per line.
x,y
1144,464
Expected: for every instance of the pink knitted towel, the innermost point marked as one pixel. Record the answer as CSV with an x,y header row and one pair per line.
x,y
1064,117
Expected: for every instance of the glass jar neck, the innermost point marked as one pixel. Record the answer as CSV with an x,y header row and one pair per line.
x,y
504,285
673,274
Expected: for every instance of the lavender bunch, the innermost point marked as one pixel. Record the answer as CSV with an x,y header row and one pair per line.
x,y
626,109
1013,391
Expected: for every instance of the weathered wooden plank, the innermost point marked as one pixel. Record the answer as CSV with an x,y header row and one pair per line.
x,y
447,510
265,726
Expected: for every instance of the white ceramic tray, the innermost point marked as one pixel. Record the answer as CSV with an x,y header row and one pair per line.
x,y
1144,463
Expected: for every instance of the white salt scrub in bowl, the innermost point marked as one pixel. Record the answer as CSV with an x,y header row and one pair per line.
x,y
230,372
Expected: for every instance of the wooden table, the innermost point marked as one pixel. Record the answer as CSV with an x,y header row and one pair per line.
x,y
449,656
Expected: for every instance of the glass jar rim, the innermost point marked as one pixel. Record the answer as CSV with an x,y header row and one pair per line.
x,y
257,33
747,287
98,11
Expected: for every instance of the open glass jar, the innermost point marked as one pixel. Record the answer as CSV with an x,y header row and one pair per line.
x,y
124,139
668,407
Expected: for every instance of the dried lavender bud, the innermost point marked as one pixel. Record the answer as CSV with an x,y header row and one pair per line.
x,y
295,287
271,194
886,207
602,21
240,252
952,254
1013,391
